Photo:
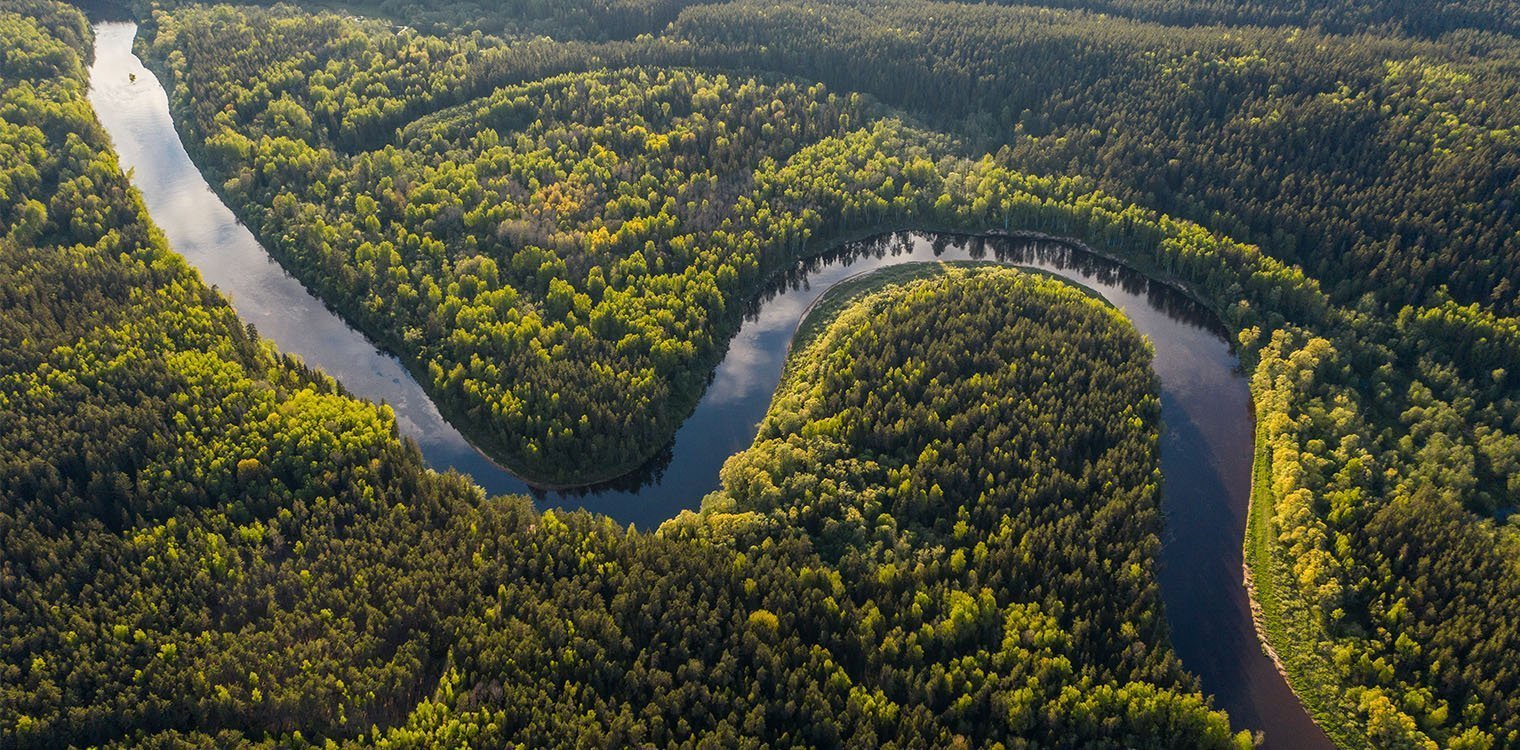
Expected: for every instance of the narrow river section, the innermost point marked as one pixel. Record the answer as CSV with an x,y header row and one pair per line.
x,y
1205,446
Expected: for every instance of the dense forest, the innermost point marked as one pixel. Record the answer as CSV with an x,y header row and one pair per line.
x,y
575,223
1381,163
552,258
207,545
1382,362
1343,16
957,582
512,228
603,20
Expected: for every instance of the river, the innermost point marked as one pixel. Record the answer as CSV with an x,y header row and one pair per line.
x,y
1206,444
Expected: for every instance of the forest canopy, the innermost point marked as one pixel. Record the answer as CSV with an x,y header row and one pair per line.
x,y
207,545
574,210
1375,171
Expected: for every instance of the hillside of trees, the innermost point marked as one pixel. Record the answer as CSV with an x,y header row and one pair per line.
x,y
204,544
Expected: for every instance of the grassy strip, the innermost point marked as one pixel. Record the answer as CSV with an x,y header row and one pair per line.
x,y
1289,627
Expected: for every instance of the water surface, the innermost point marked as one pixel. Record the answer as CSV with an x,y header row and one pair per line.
x,y
1205,409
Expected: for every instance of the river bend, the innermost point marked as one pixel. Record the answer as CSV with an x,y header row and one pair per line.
x,y
1206,443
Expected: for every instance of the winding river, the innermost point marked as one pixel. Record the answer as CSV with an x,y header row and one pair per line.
x,y
1206,446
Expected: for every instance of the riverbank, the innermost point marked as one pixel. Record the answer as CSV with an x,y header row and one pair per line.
x,y
1285,624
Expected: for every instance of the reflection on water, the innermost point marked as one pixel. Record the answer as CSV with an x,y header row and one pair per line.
x,y
736,399
1205,450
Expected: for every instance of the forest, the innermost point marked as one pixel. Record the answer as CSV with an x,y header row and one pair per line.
x,y
208,545
1381,161
541,199
556,214
1386,404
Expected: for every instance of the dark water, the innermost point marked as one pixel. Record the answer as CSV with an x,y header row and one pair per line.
x,y
1205,450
